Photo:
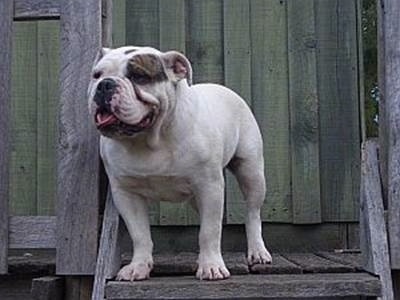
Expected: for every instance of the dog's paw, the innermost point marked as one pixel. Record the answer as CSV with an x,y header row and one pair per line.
x,y
135,271
258,255
212,270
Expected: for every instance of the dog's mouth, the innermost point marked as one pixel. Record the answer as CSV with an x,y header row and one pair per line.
x,y
107,121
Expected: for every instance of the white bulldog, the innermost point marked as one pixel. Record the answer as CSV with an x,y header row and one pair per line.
x,y
164,139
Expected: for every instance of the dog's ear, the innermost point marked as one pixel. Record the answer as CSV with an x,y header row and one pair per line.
x,y
100,54
178,66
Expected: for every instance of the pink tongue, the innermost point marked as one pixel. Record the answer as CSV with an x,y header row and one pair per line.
x,y
105,119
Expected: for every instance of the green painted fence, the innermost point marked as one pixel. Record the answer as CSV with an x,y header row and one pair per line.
x,y
295,62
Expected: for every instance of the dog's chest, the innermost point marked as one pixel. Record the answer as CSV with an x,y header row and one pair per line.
x,y
160,188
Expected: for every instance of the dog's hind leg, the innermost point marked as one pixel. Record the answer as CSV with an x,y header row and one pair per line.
x,y
249,172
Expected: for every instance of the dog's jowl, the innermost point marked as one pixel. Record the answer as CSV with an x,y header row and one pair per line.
x,y
164,139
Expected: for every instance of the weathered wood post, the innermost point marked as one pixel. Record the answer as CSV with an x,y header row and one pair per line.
x,y
78,160
6,13
390,26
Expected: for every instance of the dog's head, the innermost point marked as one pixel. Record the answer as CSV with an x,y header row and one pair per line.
x,y
133,88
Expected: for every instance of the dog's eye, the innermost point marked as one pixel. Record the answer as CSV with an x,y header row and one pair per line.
x,y
97,75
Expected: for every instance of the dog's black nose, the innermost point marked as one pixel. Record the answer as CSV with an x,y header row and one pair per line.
x,y
104,92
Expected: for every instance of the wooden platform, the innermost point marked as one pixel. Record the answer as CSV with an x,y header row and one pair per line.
x,y
322,275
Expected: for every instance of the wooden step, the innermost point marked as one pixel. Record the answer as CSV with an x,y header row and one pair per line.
x,y
251,286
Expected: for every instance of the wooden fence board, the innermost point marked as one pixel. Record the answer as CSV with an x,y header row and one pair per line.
x,y
270,102
24,116
78,164
304,103
6,31
237,76
47,99
205,40
119,23
32,232
36,9
143,29
392,98
374,243
172,37
337,61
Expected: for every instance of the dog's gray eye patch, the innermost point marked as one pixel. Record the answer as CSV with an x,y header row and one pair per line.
x,y
145,68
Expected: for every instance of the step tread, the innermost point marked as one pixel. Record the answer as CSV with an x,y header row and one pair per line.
x,y
248,286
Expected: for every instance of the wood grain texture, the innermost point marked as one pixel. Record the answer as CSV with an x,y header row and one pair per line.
x,y
119,23
6,32
304,113
205,40
383,119
143,29
78,162
337,75
392,98
311,263
109,256
237,76
32,232
107,23
23,198
249,287
172,37
78,287
48,64
374,243
47,288
270,102
36,9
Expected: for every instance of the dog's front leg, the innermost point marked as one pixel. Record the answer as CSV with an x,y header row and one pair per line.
x,y
210,203
133,209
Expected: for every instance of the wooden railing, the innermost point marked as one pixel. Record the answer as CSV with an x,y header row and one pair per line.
x,y
74,229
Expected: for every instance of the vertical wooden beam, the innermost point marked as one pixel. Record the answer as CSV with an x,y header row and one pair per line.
x,y
374,243
237,76
107,7
78,160
270,102
392,100
383,125
119,23
108,259
304,112
6,13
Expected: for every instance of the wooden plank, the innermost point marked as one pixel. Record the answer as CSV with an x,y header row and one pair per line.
x,y
352,259
279,265
374,244
143,29
270,102
360,71
237,76
119,23
36,9
47,288
392,98
6,32
33,232
108,257
249,287
383,120
337,75
205,40
107,22
311,263
304,119
78,287
24,120
78,164
47,99
172,37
